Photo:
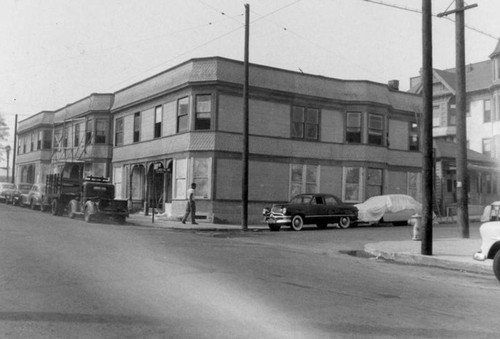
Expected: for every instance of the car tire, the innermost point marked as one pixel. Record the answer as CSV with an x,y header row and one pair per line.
x,y
297,222
274,227
344,222
32,204
496,265
55,207
322,225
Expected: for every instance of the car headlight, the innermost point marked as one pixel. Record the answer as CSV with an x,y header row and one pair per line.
x,y
283,210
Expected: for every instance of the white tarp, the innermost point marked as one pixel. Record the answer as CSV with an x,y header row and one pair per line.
x,y
373,209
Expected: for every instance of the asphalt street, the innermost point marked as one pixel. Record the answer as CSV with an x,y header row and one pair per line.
x,y
63,278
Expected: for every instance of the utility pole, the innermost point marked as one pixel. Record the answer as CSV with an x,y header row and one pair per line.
x,y
244,183
14,152
427,165
461,158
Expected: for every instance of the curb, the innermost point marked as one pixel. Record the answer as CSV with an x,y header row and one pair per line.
x,y
419,259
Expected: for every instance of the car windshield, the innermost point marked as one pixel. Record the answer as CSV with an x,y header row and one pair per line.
x,y
8,186
24,188
301,199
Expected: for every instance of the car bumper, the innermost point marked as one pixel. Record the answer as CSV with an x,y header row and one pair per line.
x,y
479,256
281,220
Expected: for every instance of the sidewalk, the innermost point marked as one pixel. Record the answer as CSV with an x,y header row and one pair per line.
x,y
452,253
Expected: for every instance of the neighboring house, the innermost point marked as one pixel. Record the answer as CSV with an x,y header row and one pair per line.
x,y
483,128
34,147
78,132
308,133
82,134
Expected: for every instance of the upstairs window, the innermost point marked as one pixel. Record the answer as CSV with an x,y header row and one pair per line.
x,y
353,127
487,110
375,129
137,127
158,120
39,140
305,123
32,143
203,112
182,114
119,132
436,116
487,147
88,132
65,137
101,131
76,140
414,142
47,139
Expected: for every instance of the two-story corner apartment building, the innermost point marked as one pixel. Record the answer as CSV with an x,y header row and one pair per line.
x,y
79,132
308,133
34,147
483,128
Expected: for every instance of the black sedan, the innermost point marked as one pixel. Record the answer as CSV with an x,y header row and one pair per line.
x,y
320,209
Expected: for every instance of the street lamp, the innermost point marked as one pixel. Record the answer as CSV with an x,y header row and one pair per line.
x,y
7,149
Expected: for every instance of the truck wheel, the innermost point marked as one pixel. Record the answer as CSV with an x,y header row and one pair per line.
x,y
496,265
55,207
87,216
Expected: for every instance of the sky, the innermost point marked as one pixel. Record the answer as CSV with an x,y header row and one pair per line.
x,y
56,52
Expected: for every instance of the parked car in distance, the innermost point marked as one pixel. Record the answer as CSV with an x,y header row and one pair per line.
x,y
491,212
6,188
34,197
320,209
490,245
16,196
389,208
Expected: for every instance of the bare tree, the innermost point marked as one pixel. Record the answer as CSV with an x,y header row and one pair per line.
x,y
4,134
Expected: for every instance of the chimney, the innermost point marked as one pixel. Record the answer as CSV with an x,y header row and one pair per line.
x,y
393,85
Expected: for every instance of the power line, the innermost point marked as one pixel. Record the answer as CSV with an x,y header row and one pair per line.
x,y
382,3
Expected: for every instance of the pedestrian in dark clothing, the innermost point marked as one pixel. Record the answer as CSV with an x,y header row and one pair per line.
x,y
190,206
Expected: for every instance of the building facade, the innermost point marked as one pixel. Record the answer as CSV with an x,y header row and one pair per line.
x,y
79,132
483,130
307,133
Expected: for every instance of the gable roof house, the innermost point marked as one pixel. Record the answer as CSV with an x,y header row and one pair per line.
x,y
483,128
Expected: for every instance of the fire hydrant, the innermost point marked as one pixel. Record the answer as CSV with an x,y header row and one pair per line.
x,y
416,221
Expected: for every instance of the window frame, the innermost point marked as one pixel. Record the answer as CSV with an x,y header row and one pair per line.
x,y
101,135
158,123
359,184
119,132
136,131
306,123
353,133
375,132
413,136
201,122
182,116
487,112
304,184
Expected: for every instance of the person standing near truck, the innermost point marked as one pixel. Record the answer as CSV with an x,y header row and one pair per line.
x,y
190,205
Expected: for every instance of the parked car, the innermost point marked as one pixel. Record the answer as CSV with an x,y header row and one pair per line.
x,y
34,198
491,212
15,197
490,245
389,208
319,209
6,188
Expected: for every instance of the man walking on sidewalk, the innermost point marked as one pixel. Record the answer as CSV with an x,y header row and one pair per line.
x,y
190,206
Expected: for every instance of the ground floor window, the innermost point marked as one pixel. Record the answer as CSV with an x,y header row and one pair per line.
x,y
201,176
352,184
373,182
180,178
304,179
